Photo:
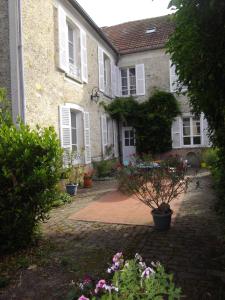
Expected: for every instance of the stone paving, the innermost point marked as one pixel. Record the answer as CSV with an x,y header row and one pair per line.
x,y
193,249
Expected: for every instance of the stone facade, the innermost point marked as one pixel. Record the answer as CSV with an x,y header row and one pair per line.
x,y
46,87
4,49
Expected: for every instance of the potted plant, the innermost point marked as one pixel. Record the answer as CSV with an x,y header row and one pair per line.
x,y
156,186
88,179
72,172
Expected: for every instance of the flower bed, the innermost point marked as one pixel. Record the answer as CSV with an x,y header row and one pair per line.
x,y
131,279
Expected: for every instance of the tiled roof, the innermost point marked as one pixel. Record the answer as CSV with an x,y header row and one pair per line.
x,y
132,37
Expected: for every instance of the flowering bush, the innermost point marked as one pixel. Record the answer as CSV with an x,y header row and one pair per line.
x,y
131,279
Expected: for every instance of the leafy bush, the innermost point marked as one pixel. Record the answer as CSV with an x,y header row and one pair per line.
x,y
210,157
61,198
151,119
30,163
104,168
132,280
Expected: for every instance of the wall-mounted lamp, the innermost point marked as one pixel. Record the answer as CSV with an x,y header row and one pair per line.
x,y
95,94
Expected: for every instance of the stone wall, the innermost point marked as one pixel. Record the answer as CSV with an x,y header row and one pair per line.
x,y
157,73
46,87
4,48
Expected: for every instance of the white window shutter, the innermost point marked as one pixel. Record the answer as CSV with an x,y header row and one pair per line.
x,y
173,78
205,136
113,78
65,126
101,68
87,138
118,82
104,132
115,138
63,40
176,133
84,65
140,79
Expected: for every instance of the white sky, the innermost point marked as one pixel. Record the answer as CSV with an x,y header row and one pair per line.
x,y
111,12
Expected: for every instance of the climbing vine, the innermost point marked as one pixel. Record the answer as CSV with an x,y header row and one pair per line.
x,y
152,120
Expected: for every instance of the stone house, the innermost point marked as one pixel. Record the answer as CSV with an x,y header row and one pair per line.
x,y
58,65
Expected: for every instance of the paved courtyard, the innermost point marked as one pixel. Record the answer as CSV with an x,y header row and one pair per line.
x,y
193,249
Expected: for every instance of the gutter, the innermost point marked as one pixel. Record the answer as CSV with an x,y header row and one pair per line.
x,y
21,66
77,6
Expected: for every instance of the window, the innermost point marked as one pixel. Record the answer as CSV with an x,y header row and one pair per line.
x,y
73,50
129,137
73,116
107,75
128,81
191,131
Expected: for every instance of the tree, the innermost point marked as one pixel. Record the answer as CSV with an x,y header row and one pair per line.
x,y
197,48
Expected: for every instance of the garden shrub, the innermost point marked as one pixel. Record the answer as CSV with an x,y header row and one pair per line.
x,y
210,157
104,168
30,161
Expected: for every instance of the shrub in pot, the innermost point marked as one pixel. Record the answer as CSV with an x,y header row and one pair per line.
x,y
72,171
155,185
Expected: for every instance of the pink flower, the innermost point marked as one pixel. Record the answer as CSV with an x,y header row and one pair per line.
x,y
83,298
117,257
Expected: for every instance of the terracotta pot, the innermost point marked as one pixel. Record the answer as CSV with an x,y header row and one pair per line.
x,y
87,182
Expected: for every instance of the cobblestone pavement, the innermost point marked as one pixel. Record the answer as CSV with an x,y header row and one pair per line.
x,y
192,249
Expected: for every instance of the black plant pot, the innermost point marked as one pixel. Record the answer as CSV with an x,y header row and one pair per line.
x,y
71,189
162,221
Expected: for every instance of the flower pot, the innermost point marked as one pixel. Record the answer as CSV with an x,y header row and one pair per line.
x,y
71,189
88,182
162,221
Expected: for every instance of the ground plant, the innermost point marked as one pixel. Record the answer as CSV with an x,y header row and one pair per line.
x,y
30,161
131,279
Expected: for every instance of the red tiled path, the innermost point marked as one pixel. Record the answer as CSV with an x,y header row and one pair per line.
x,y
117,208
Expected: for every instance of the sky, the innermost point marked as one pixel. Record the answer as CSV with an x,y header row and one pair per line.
x,y
112,12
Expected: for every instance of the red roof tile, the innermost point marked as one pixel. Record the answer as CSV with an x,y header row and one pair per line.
x,y
132,37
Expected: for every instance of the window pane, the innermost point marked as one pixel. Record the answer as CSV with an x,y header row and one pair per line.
x,y
196,126
124,82
123,72
73,119
186,131
186,121
131,134
74,147
187,141
127,142
132,142
196,140
126,134
132,72
125,92
74,136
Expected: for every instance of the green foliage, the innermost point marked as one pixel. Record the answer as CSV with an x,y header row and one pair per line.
x,y
5,112
104,168
151,119
210,157
61,199
197,48
30,161
132,280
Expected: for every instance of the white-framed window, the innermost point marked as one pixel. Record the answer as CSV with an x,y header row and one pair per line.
x,y
128,81
72,46
191,131
75,130
129,137
132,80
74,50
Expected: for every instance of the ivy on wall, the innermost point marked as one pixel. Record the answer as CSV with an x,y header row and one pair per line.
x,y
151,119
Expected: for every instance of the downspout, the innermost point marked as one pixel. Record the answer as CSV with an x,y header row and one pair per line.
x,y
21,66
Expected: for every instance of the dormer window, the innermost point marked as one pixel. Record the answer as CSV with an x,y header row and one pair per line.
x,y
150,29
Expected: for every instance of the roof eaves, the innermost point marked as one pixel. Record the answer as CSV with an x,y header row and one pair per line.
x,y
77,6
135,50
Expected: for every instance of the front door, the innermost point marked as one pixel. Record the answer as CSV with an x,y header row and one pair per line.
x,y
129,148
